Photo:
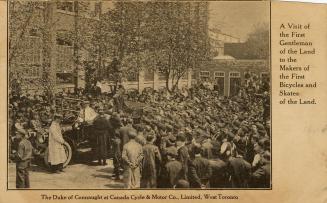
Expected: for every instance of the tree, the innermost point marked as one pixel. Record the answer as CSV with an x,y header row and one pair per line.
x,y
174,34
21,17
257,44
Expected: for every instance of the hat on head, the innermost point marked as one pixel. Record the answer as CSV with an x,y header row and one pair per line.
x,y
132,133
172,151
150,137
180,137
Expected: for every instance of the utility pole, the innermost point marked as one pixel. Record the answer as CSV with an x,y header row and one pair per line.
x,y
100,67
76,44
49,51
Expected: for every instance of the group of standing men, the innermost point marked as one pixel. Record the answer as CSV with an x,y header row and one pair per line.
x,y
198,141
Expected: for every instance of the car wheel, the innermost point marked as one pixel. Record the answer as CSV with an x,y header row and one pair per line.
x,y
68,151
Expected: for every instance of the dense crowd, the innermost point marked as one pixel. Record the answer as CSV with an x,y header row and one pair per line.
x,y
192,138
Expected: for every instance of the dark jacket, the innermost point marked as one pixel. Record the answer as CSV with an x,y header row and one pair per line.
x,y
151,161
239,170
24,154
199,172
260,178
220,176
101,130
184,158
171,173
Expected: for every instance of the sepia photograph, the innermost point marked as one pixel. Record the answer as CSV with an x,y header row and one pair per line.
x,y
162,95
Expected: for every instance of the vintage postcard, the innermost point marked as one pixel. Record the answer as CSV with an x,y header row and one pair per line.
x,y
163,100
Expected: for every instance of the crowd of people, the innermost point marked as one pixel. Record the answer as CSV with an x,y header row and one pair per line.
x,y
192,138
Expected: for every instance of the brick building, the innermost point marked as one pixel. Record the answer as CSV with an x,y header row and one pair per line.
x,y
48,45
227,75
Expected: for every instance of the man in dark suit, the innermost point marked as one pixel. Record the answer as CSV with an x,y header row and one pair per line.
x,y
219,177
172,171
239,170
117,143
260,178
199,170
151,161
183,154
101,130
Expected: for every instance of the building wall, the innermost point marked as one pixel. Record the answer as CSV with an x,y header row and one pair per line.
x,y
63,54
218,40
157,83
229,67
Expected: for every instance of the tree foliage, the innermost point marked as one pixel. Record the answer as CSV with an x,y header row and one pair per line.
x,y
169,37
257,43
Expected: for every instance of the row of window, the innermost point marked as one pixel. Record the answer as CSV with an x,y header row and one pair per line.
x,y
206,74
31,54
149,76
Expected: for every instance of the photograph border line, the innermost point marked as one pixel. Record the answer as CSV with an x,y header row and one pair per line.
x,y
153,189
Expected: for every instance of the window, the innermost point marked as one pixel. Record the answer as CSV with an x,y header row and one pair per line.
x,y
234,83
30,52
204,75
193,74
65,54
63,40
161,75
132,76
234,75
64,78
65,6
219,82
219,74
31,72
65,62
149,75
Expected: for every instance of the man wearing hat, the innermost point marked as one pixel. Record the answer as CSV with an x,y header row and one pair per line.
x,y
260,178
183,154
220,176
151,162
87,113
172,170
199,170
132,157
57,155
101,130
23,158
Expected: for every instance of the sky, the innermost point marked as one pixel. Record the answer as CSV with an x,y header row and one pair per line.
x,y
238,18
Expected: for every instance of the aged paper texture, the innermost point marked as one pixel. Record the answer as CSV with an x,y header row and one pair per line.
x,y
285,123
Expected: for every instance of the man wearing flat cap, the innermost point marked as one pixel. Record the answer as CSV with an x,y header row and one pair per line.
x,y
23,158
132,157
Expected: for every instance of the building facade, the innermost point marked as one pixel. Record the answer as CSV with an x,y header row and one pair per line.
x,y
49,46
218,40
227,75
